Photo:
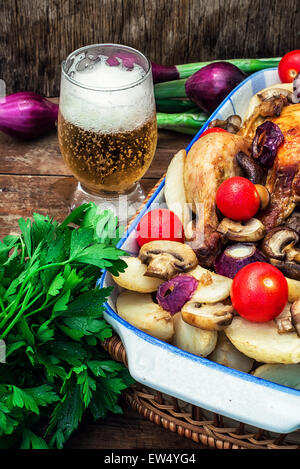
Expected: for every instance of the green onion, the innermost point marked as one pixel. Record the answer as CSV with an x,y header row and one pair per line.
x,y
187,123
175,105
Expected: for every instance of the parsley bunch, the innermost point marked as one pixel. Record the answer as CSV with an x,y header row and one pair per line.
x,y
51,325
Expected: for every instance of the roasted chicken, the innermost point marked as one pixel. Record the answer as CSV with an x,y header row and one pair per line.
x,y
283,181
209,162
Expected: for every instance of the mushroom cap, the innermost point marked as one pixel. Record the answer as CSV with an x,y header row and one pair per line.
x,y
166,258
277,239
249,231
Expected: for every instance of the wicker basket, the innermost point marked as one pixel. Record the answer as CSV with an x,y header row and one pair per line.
x,y
192,422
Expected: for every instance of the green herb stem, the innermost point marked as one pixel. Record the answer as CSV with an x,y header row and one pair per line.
x,y
188,123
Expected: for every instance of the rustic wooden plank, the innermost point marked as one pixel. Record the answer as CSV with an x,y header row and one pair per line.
x,y
42,156
37,35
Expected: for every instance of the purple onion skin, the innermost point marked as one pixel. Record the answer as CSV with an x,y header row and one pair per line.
x,y
296,89
182,288
27,115
211,84
267,139
229,266
162,73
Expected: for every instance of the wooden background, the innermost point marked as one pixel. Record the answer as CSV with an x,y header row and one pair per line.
x,y
36,35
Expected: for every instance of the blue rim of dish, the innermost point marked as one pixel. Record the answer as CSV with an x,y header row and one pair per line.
x,y
171,348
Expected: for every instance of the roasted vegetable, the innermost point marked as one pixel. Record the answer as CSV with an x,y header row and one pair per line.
x,y
191,339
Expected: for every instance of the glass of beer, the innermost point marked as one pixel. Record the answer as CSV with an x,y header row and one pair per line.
x,y
107,123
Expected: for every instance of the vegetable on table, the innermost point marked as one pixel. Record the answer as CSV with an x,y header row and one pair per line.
x,y
163,73
186,122
206,88
289,66
259,292
175,106
51,322
27,115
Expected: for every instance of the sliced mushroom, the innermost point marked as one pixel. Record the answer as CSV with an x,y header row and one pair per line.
x,y
251,168
275,93
140,310
279,246
294,222
210,317
284,321
134,278
167,258
249,231
295,313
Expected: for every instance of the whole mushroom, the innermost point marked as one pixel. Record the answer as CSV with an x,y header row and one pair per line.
x,y
167,258
279,247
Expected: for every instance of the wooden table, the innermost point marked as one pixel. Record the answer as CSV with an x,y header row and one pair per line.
x,y
33,178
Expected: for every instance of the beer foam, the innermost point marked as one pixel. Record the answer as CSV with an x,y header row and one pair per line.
x,y
106,109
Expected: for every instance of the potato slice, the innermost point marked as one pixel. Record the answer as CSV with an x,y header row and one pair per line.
x,y
226,354
140,310
191,339
262,342
133,278
294,289
287,375
212,287
174,185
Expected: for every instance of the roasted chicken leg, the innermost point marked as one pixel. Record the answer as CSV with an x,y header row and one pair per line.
x,y
209,162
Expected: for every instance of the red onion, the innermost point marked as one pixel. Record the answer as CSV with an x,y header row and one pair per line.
x,y
268,138
27,115
296,89
211,84
162,73
235,257
172,295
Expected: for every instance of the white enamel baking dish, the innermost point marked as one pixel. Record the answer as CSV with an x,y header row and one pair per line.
x,y
194,379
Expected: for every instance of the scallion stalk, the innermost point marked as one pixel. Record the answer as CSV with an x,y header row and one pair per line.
x,y
163,73
175,105
188,123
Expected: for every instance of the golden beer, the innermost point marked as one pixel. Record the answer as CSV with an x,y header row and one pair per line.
x,y
107,161
107,127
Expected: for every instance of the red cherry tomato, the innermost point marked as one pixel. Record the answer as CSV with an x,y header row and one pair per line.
x,y
212,130
159,224
259,292
237,198
289,66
